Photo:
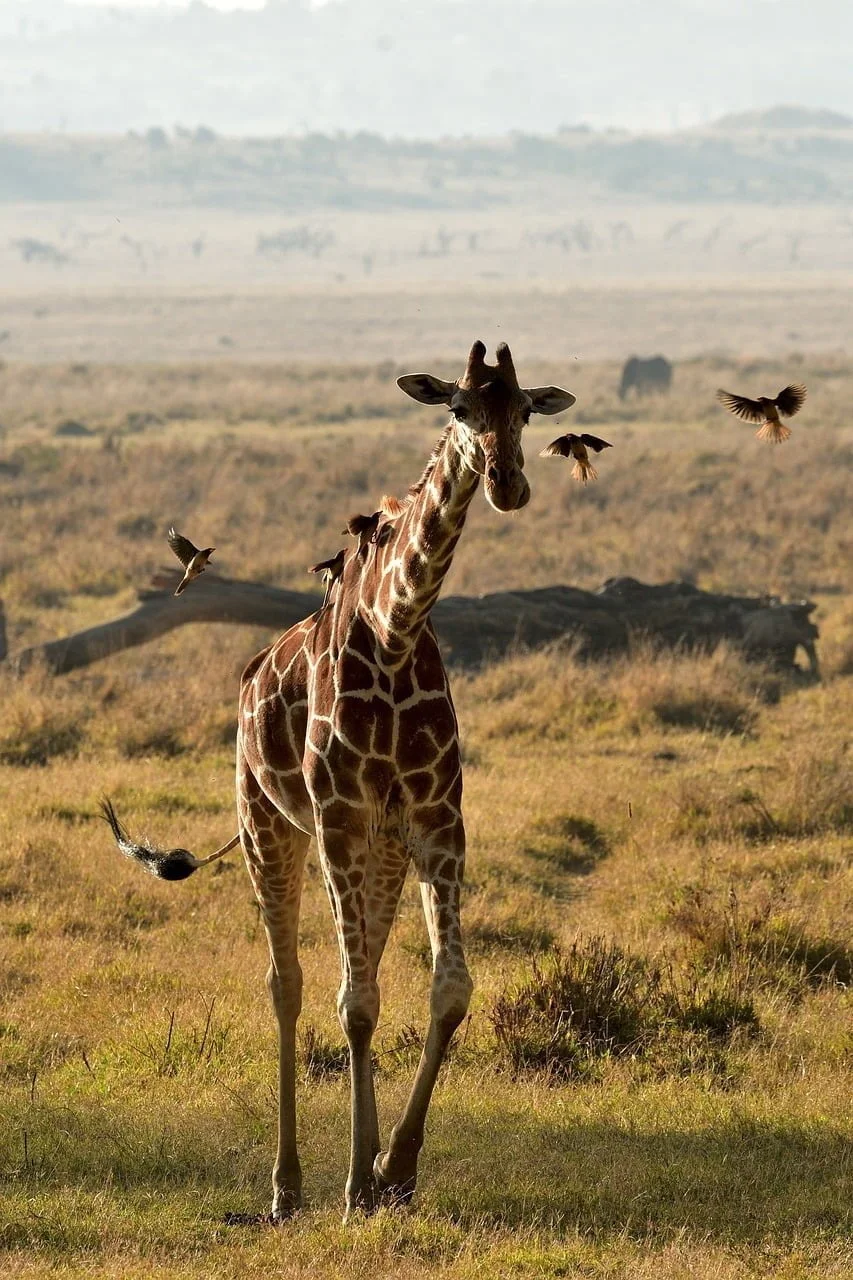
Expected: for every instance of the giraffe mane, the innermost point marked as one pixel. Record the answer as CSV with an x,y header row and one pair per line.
x,y
391,506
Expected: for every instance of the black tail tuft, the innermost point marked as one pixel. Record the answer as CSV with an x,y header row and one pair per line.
x,y
170,864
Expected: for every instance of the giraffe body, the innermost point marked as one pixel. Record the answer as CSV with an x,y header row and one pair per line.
x,y
347,733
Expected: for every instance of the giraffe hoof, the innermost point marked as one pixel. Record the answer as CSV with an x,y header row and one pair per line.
x,y
393,1190
285,1205
361,1203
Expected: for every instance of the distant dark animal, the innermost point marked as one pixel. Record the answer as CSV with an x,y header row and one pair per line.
x,y
643,376
574,446
766,411
39,251
193,559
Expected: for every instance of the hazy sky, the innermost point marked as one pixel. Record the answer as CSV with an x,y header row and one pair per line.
x,y
182,4
416,68
139,4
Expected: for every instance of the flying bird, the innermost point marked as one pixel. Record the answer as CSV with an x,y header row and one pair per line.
x,y
574,446
193,560
331,571
766,411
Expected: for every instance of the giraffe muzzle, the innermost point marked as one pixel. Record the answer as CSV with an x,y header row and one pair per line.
x,y
506,488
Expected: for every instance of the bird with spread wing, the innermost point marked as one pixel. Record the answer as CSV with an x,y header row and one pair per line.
x,y
576,446
766,411
193,559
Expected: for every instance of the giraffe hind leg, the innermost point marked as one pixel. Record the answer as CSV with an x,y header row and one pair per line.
x,y
275,857
364,882
440,865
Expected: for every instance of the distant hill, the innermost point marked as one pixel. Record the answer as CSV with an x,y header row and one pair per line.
x,y
195,167
785,117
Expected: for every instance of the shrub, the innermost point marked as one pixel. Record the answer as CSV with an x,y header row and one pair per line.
x,y
568,843
761,939
596,1001
321,1058
578,1005
46,735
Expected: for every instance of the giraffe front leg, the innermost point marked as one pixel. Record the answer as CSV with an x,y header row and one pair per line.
x,y
344,859
440,863
275,857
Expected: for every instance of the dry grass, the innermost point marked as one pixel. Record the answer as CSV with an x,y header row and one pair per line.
x,y
686,811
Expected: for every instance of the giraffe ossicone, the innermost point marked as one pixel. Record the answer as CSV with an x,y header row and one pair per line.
x,y
347,733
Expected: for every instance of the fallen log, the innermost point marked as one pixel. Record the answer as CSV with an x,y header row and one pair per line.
x,y
473,629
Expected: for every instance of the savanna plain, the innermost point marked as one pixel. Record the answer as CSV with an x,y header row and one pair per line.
x,y
655,1077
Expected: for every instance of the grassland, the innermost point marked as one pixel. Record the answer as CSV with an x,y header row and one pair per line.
x,y
593,277
663,843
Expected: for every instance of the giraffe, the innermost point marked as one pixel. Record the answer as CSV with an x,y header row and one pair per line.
x,y
347,733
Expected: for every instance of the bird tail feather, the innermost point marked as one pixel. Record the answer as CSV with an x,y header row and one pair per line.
x,y
775,432
583,470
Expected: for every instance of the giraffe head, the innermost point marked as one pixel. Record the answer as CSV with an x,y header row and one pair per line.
x,y
490,411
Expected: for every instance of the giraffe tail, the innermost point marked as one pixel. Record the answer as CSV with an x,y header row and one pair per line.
x,y
167,864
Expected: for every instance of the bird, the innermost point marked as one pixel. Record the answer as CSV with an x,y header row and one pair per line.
x,y
193,560
574,446
766,411
368,529
363,527
331,571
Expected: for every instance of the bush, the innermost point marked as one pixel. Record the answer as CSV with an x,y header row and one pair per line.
x,y
320,1058
588,1002
761,940
570,844
39,737
596,1001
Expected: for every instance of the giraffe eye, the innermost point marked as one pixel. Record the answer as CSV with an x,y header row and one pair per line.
x,y
460,412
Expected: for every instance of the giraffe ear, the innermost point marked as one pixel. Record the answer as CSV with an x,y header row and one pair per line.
x,y
550,400
426,389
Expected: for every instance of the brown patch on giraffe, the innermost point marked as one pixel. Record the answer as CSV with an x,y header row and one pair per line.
x,y
356,672
429,668
420,739
418,785
317,774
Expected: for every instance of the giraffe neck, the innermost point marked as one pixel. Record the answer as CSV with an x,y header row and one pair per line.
x,y
401,583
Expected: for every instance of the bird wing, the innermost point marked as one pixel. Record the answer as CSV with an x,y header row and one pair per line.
x,y
791,399
334,565
182,547
559,448
595,443
747,410
359,524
